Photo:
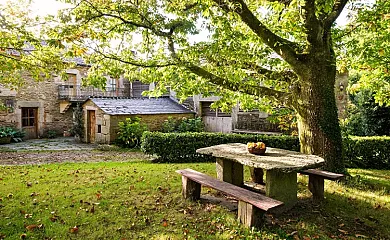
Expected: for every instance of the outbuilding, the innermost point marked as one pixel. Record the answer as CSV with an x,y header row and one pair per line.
x,y
102,115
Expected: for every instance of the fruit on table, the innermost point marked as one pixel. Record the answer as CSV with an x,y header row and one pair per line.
x,y
258,145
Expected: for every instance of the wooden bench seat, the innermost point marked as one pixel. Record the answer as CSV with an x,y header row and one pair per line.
x,y
316,181
251,206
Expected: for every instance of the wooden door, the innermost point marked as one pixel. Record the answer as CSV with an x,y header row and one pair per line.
x,y
91,123
72,84
30,122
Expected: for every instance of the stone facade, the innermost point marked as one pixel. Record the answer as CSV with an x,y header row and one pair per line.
x,y
109,123
42,96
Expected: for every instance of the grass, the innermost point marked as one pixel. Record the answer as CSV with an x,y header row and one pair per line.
x,y
142,200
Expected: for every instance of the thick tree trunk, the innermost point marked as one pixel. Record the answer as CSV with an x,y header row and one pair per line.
x,y
318,124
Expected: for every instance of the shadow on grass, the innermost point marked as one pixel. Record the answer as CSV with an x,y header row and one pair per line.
x,y
338,216
369,181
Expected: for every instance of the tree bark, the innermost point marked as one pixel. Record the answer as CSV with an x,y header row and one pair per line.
x,y
318,125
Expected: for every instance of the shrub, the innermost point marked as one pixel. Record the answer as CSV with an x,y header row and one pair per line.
x,y
191,125
7,131
169,125
181,147
15,134
51,134
183,125
367,152
130,132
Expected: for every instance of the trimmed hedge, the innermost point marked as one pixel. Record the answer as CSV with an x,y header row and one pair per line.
x,y
360,152
367,152
181,147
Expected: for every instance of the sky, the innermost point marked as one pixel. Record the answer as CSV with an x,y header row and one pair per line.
x,y
44,7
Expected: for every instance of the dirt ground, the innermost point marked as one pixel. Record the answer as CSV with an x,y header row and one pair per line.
x,y
30,157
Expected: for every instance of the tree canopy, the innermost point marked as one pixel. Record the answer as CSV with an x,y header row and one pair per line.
x,y
22,51
367,41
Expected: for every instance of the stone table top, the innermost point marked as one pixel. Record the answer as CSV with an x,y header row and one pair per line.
x,y
273,159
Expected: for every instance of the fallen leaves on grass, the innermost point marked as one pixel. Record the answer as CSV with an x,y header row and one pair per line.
x,y
164,223
74,229
98,196
32,227
360,236
342,231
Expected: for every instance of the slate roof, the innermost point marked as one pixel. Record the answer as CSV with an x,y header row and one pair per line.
x,y
131,106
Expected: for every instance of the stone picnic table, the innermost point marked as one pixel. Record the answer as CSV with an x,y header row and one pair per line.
x,y
280,167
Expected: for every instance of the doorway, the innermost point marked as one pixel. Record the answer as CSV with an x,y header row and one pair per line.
x,y
91,123
30,122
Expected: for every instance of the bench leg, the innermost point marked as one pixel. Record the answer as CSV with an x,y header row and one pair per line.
x,y
257,175
282,186
191,189
250,215
316,187
229,171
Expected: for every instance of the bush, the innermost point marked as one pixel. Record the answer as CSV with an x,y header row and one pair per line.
x,y
51,134
181,147
7,131
191,125
15,134
367,152
183,125
360,152
130,132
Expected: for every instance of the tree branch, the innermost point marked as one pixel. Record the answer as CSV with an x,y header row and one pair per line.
x,y
137,64
338,7
286,76
281,46
312,24
136,24
254,90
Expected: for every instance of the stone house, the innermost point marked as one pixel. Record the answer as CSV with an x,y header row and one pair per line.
x,y
40,107
102,115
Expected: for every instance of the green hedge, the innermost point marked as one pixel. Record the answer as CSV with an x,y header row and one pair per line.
x,y
181,147
360,152
367,152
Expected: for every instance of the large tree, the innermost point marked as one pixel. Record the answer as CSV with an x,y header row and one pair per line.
x,y
251,51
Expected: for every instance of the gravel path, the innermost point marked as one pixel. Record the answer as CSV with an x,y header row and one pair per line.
x,y
23,158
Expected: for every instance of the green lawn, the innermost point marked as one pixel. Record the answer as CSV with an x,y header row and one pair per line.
x,y
142,200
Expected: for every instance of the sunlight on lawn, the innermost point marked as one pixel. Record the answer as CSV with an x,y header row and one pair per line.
x,y
141,200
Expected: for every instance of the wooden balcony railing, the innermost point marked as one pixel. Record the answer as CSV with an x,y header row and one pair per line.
x,y
81,93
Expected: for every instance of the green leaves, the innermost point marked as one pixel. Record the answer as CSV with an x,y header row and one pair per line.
x,y
367,49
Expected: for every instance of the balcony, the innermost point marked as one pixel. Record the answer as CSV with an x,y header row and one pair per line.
x,y
77,93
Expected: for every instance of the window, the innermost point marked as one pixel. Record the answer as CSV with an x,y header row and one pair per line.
x,y
208,111
112,84
99,128
72,80
138,87
28,117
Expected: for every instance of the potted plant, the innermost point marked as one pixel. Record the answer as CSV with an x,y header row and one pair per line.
x,y
6,133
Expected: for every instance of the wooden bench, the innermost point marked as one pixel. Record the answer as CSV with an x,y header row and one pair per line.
x,y
251,206
316,181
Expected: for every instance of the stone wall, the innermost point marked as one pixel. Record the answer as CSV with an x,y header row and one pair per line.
x,y
109,123
42,95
